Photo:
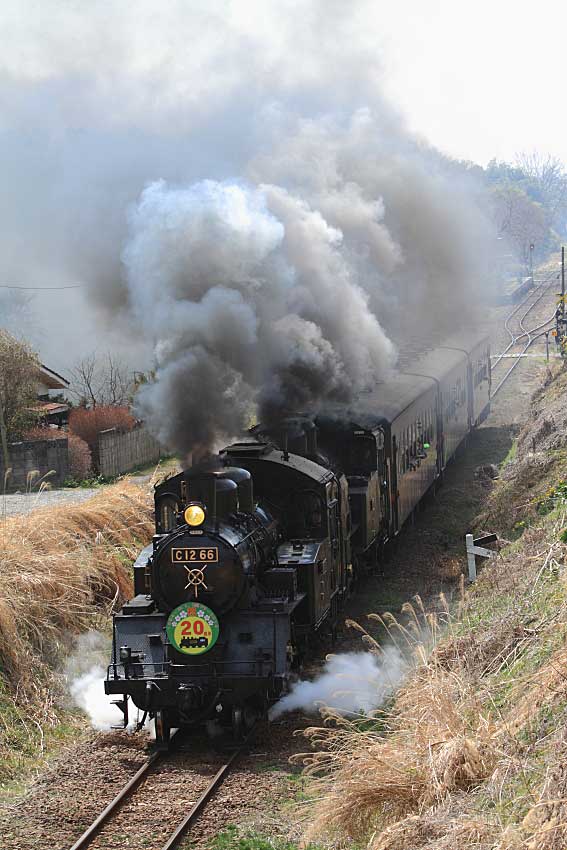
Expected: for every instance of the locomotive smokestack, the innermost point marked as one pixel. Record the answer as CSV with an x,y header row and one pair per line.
x,y
202,487
243,480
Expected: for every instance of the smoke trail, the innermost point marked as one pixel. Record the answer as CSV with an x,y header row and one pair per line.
x,y
351,683
250,216
249,297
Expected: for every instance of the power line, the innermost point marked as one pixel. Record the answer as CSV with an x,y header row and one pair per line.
x,y
42,288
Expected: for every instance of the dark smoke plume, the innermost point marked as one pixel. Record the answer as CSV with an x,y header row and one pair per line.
x,y
247,213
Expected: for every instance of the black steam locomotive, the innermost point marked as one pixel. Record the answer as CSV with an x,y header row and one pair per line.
x,y
253,558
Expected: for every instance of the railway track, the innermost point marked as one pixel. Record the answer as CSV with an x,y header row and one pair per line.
x,y
522,334
105,832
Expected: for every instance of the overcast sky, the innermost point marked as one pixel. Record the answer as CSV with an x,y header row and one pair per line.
x,y
478,80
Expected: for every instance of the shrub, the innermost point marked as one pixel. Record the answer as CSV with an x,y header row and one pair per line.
x,y
87,424
80,458
552,498
42,432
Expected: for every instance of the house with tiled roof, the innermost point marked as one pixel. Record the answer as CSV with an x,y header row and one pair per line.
x,y
51,412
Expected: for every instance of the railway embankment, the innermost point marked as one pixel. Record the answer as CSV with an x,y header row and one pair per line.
x,y
473,750
60,567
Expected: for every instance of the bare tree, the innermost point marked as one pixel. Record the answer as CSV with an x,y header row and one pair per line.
x,y
547,175
102,379
518,219
18,377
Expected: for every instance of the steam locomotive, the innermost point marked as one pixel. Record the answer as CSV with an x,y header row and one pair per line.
x,y
253,558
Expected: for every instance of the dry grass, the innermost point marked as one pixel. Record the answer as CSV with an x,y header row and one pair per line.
x,y
436,741
57,564
61,569
473,752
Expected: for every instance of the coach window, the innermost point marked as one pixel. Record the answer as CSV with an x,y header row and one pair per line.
x,y
380,453
308,513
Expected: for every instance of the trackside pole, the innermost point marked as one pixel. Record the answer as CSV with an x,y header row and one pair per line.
x,y
471,561
474,549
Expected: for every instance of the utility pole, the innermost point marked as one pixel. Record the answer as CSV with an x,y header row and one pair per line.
x,y
547,346
563,281
560,312
561,330
4,439
532,246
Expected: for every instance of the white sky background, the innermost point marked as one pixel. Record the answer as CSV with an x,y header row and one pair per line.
x,y
478,81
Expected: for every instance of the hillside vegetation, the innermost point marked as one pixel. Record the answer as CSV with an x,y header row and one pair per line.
x,y
60,568
473,751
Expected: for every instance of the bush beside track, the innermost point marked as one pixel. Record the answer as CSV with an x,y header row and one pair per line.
x,y
473,751
60,569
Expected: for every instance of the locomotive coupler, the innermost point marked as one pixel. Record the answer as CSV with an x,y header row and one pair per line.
x,y
189,698
149,687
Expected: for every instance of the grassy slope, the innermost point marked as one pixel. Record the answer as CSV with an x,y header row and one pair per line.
x,y
59,569
476,753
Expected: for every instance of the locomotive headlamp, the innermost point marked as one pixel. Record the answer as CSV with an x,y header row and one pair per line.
x,y
194,515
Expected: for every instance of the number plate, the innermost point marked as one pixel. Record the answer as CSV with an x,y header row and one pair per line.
x,y
195,555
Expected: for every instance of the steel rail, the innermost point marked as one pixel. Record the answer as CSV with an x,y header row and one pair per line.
x,y
195,810
199,805
528,333
90,833
546,282
529,343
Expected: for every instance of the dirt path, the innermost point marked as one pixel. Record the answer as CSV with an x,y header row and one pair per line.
x,y
14,504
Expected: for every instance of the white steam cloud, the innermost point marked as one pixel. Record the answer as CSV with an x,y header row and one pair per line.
x,y
87,692
350,683
85,672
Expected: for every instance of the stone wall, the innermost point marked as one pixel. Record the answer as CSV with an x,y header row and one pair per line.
x,y
120,452
48,458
